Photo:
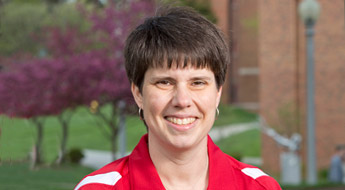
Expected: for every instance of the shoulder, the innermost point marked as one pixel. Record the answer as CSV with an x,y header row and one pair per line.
x,y
105,178
251,177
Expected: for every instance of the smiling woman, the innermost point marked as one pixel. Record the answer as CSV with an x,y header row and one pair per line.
x,y
176,63
179,106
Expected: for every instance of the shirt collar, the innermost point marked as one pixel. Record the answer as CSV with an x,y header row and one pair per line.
x,y
143,174
221,172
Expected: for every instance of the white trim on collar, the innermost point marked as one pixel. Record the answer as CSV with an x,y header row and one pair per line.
x,y
108,179
253,172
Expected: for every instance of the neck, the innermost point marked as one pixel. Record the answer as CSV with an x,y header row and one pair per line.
x,y
181,169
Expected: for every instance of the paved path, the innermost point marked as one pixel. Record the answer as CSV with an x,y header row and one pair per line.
x,y
218,133
97,158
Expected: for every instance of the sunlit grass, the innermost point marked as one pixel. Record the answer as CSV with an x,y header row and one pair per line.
x,y
247,144
231,115
19,135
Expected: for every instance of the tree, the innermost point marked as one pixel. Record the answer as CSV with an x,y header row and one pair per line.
x,y
82,66
202,6
21,24
96,55
17,24
113,25
22,90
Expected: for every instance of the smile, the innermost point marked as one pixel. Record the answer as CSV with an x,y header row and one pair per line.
x,y
181,121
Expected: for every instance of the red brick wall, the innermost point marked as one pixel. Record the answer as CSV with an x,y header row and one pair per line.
x,y
277,62
220,10
330,79
282,74
245,52
238,19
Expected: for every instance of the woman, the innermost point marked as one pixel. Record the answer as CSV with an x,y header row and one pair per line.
x,y
176,63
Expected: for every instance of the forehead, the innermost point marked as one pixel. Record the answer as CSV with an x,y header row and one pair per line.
x,y
180,61
181,72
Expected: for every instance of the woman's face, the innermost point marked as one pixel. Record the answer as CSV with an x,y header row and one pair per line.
x,y
179,105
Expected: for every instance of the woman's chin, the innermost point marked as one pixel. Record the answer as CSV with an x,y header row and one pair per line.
x,y
184,141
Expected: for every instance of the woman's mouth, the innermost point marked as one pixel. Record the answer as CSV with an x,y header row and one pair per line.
x,y
181,121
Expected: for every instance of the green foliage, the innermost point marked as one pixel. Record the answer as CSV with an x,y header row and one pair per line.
x,y
18,23
35,1
75,155
64,15
21,24
202,6
26,1
286,119
237,155
323,174
251,24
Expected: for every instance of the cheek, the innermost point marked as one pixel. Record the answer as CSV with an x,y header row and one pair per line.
x,y
154,103
207,100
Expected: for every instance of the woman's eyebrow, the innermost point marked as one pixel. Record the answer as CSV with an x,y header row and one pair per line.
x,y
155,78
201,78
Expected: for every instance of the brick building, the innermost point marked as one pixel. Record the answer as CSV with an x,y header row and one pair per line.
x,y
238,19
282,62
269,67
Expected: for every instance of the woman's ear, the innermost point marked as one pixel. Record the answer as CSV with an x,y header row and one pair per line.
x,y
137,95
219,94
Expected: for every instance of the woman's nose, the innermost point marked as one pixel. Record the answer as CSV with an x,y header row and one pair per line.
x,y
182,97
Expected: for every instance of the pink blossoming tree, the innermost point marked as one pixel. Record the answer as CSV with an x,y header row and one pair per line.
x,y
82,66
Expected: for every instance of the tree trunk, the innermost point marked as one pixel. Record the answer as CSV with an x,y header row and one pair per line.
x,y
37,150
64,122
112,123
113,141
62,151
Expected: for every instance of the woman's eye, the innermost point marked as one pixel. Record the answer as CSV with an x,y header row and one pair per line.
x,y
165,82
198,83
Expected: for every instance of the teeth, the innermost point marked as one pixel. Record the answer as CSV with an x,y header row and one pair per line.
x,y
179,121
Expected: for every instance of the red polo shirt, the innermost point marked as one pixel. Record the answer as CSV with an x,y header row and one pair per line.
x,y
137,172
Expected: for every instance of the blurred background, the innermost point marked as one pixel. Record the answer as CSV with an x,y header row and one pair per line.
x,y
66,108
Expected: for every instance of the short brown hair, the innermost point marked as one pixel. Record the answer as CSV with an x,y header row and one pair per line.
x,y
179,36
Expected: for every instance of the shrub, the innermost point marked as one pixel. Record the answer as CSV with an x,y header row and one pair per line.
x,y
75,155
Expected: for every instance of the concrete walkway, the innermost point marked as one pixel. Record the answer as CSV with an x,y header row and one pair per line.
x,y
96,158
218,133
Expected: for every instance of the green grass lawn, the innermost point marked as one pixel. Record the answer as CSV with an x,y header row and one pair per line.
x,y
18,135
231,115
322,185
18,176
247,144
